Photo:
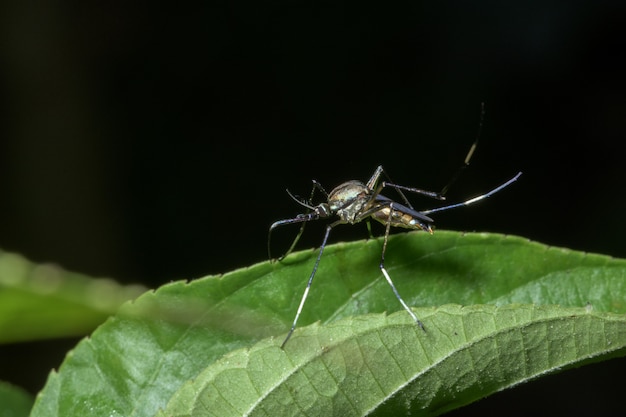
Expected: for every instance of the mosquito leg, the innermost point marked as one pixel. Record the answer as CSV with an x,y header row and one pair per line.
x,y
369,228
475,199
469,155
376,186
426,193
375,177
386,274
437,195
308,286
292,247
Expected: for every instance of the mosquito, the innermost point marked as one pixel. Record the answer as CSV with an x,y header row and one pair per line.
x,y
355,201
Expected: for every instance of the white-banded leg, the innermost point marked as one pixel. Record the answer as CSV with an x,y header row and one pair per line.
x,y
442,194
399,188
308,285
475,199
469,155
386,274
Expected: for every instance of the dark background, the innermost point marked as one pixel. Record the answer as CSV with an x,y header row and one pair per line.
x,y
155,144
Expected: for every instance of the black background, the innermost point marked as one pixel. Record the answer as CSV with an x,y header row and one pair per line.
x,y
154,144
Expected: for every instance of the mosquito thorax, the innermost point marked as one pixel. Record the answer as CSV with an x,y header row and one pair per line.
x,y
349,199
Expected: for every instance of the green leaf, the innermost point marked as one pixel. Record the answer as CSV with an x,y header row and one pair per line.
x,y
385,365
156,345
14,401
44,301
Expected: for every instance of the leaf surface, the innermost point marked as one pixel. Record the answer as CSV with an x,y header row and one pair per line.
x,y
14,401
385,366
44,301
155,346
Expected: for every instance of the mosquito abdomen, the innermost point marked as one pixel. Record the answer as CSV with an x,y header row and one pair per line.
x,y
400,219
